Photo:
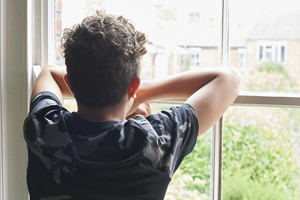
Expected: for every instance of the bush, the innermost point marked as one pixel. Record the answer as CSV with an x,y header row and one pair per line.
x,y
198,165
260,160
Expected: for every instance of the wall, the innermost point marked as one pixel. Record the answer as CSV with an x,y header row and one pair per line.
x,y
293,59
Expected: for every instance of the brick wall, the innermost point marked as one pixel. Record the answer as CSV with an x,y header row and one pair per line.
x,y
209,57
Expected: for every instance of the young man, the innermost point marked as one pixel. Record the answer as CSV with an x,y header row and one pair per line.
x,y
96,153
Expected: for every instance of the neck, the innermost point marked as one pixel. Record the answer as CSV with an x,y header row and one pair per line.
x,y
111,113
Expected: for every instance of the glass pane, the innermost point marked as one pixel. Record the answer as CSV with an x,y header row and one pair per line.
x,y
261,153
269,31
282,54
268,56
174,29
260,53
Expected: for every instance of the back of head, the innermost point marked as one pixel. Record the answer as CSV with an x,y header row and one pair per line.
x,y
102,56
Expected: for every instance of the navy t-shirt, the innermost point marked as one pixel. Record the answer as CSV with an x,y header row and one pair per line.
x,y
73,158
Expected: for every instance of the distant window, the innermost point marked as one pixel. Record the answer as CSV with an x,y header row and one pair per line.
x,y
242,58
195,57
169,14
195,60
194,17
271,52
212,22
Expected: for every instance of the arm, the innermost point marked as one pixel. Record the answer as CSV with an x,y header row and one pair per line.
x,y
209,91
51,79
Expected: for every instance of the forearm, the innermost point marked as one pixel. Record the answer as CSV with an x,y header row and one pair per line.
x,y
210,91
58,74
180,86
51,79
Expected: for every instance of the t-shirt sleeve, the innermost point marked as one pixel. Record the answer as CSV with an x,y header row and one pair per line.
x,y
45,108
171,136
42,101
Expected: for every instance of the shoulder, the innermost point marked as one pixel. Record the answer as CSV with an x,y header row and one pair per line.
x,y
42,101
170,136
45,108
168,120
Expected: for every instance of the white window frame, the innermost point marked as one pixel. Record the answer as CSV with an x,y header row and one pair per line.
x,y
15,67
38,20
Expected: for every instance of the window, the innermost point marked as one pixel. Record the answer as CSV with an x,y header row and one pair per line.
x,y
194,17
195,58
241,59
266,84
271,52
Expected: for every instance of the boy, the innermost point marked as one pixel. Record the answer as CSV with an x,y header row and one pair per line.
x,y
96,153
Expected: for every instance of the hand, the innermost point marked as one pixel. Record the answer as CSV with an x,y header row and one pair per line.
x,y
143,109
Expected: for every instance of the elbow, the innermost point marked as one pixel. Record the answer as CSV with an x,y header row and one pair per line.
x,y
235,80
235,74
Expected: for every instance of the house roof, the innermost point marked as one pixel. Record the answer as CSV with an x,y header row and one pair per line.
x,y
277,25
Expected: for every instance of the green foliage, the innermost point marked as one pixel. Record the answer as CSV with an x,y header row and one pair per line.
x,y
275,68
185,63
263,158
259,160
272,67
240,186
198,165
270,77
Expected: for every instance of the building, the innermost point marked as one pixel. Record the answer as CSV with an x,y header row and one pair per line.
x,y
276,38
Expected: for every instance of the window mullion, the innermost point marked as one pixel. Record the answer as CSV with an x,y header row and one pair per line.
x,y
216,171
216,154
1,89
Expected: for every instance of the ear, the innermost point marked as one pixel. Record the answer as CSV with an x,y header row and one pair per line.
x,y
66,80
134,86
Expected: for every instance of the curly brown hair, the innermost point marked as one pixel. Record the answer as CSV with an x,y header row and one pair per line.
x,y
102,56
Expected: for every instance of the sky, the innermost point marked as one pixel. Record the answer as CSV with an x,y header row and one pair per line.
x,y
243,9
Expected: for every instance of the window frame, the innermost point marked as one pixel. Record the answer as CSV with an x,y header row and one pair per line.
x,y
15,84
21,59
